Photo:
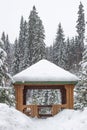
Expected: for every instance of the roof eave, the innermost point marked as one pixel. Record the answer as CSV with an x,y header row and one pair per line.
x,y
46,82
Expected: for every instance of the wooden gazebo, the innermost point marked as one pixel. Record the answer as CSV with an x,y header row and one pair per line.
x,y
44,75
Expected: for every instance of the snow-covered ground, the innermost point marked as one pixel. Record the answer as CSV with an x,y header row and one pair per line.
x,y
11,119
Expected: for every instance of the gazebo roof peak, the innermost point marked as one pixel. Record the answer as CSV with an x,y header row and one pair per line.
x,y
44,71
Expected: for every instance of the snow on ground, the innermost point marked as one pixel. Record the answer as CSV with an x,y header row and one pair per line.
x,y
11,119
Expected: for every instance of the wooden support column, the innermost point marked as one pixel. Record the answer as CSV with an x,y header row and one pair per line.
x,y
69,96
19,96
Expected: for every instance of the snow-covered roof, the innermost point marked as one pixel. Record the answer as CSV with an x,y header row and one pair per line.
x,y
44,71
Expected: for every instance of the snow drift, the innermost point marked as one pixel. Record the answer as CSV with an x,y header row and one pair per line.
x,y
11,119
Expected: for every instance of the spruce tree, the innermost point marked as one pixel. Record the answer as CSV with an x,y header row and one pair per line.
x,y
81,88
27,49
16,60
73,54
68,54
35,37
9,55
59,48
22,47
49,53
21,42
3,67
3,38
81,30
4,75
40,39
6,92
7,48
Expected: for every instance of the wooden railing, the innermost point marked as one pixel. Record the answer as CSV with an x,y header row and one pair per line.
x,y
47,110
34,110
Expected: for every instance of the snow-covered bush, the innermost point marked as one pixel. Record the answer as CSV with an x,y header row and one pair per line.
x,y
81,88
6,93
7,96
3,67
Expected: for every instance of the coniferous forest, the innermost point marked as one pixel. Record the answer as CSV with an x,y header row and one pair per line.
x,y
30,47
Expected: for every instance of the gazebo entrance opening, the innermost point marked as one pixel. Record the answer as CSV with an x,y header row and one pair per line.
x,y
44,98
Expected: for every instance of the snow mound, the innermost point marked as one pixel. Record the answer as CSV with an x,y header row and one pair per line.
x,y
65,120
11,119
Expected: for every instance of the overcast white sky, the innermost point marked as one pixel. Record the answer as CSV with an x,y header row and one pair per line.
x,y
50,11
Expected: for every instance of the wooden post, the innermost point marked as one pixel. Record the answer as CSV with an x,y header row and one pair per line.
x,y
19,96
69,96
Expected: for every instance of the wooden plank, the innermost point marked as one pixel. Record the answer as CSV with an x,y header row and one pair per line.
x,y
43,86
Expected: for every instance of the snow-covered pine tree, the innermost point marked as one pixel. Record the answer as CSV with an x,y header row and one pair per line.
x,y
81,88
26,50
6,93
7,49
9,55
3,38
11,58
35,37
21,42
81,29
68,54
49,53
72,53
30,44
56,45
3,67
40,39
76,55
16,61
59,48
